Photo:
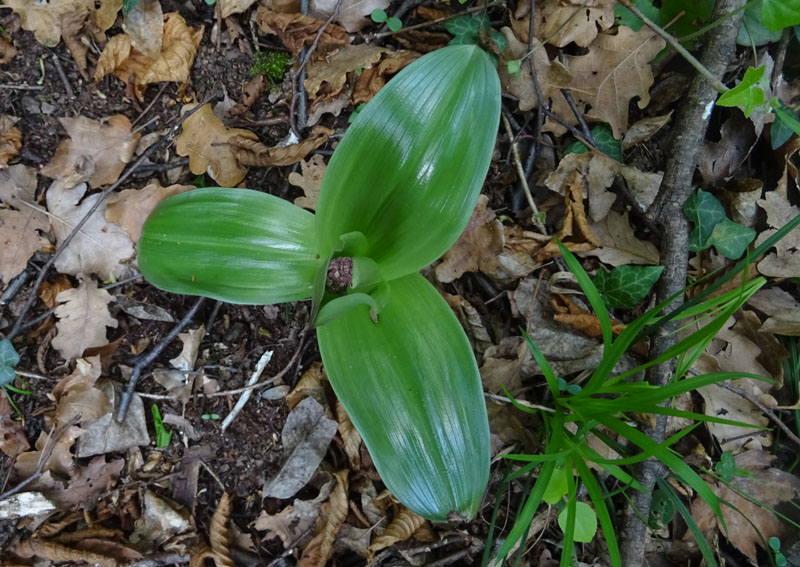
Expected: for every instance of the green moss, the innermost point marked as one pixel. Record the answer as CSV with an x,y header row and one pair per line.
x,y
273,64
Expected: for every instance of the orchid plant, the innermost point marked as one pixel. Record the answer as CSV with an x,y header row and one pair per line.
x,y
397,193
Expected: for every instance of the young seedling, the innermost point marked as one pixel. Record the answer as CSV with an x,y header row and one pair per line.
x,y
397,193
380,17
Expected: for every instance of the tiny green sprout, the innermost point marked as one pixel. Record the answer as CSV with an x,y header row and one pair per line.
x,y
41,68
207,416
775,545
514,67
273,64
380,17
163,435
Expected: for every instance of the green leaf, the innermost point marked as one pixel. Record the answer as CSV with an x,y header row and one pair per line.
x,y
557,487
163,435
585,522
514,67
411,387
779,14
705,211
235,245
626,286
752,31
786,124
8,360
378,15
408,172
661,510
774,542
747,95
394,24
731,239
726,467
605,140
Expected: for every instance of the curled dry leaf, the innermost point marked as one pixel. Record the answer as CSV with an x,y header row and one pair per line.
x,y
212,147
253,152
218,532
781,307
251,90
309,180
61,462
22,225
76,395
10,138
7,51
13,440
403,526
373,79
44,18
332,516
129,208
644,129
575,232
327,75
82,318
159,522
100,247
294,524
350,437
618,245
353,14
106,145
73,26
296,30
311,384
178,49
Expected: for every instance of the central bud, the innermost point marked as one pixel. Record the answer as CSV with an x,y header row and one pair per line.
x,y
340,275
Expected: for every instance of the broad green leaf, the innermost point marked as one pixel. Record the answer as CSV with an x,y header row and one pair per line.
x,y
779,14
786,124
411,387
627,18
8,360
605,140
661,510
626,286
557,487
684,16
596,495
585,525
705,211
235,245
408,172
752,31
747,95
731,239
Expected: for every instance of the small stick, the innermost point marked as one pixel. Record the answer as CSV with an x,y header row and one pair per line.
x,y
127,173
537,222
22,87
768,412
152,102
430,23
45,456
64,80
251,387
13,288
145,360
579,115
240,403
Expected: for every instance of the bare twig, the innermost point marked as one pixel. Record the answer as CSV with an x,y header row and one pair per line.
x,y
46,453
152,102
767,411
13,288
22,87
537,221
375,36
63,76
108,190
145,360
579,115
240,403
251,387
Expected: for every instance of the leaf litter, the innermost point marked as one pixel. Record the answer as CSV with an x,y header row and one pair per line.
x,y
313,505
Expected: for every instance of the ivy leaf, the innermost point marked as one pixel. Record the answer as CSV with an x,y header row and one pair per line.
x,y
8,360
625,286
779,14
731,239
752,31
585,522
705,212
747,95
726,467
605,140
464,29
787,123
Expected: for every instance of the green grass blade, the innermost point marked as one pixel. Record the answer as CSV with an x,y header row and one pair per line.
x,y
702,543
596,495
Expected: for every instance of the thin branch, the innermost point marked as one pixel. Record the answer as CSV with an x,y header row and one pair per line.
x,y
767,411
380,35
537,221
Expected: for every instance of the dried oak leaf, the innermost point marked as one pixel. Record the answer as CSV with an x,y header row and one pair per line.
x,y
615,70
327,75
567,21
309,180
353,14
10,139
373,79
129,208
569,313
294,524
82,318
61,462
253,152
785,261
296,30
100,246
331,518
618,245
251,90
144,25
7,51
178,49
76,395
403,526
13,440
749,520
781,307
22,225
44,19
73,26
212,146
108,145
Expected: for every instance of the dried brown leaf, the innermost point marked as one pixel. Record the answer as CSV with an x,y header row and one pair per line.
x,y
107,145
22,225
229,7
350,437
296,30
311,384
309,180
644,129
218,532
62,461
372,80
144,24
781,307
59,553
251,90
353,14
82,318
76,395
212,147
44,19
7,51
130,208
327,75
10,138
160,521
73,25
567,21
253,152
785,261
13,440
320,548
619,245
575,232
403,526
